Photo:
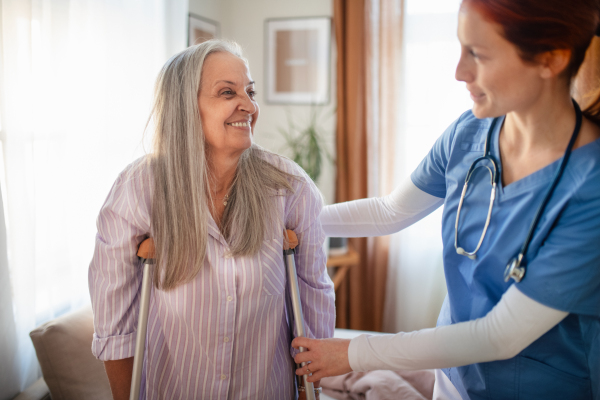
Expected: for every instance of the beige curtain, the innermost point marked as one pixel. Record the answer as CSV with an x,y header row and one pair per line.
x,y
368,36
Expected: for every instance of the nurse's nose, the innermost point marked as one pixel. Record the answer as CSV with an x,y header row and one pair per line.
x,y
464,71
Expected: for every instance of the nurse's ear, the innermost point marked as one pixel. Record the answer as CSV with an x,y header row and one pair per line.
x,y
554,62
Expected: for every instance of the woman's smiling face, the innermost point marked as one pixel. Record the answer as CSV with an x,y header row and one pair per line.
x,y
496,76
227,106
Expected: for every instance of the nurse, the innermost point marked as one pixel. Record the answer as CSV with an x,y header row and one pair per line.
x,y
519,178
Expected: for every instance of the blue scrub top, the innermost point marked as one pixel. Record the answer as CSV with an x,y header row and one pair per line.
x,y
563,262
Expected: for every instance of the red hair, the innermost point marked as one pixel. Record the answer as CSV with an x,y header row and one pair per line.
x,y
537,26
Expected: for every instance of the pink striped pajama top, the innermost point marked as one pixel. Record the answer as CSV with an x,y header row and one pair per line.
x,y
224,334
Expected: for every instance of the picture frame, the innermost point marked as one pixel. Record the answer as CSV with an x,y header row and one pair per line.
x,y
297,60
201,29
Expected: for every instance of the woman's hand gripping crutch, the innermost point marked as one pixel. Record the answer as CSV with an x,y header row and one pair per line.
x,y
146,253
293,302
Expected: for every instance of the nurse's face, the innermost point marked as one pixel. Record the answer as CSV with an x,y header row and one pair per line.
x,y
497,78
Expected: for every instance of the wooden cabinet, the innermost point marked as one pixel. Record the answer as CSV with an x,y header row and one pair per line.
x,y
341,265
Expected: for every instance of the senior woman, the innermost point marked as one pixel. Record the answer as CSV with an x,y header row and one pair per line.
x,y
217,206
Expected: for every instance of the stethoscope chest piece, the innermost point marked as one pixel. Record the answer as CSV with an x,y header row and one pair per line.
x,y
514,269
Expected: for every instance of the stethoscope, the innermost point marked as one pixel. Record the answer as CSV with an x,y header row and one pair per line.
x,y
516,266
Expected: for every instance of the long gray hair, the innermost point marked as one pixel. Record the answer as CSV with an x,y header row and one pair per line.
x,y
181,199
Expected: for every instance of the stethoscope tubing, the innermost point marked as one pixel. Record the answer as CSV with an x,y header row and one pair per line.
x,y
557,177
494,182
516,266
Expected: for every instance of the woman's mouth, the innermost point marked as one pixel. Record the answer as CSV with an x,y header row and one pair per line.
x,y
240,124
476,97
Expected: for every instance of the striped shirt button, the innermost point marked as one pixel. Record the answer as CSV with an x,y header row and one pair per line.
x,y
229,298
223,377
226,339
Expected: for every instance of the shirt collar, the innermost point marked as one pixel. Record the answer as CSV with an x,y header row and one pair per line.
x,y
213,230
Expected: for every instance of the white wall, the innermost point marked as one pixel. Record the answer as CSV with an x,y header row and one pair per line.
x,y
244,21
212,9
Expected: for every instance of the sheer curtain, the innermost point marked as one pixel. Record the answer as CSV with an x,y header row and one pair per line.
x,y
384,60
430,99
75,94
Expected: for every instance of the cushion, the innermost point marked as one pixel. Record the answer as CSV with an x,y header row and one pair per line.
x,y
36,391
63,348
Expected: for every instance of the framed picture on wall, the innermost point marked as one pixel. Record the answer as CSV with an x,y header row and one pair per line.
x,y
297,59
201,29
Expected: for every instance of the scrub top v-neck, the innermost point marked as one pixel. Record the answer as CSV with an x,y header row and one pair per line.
x,y
563,262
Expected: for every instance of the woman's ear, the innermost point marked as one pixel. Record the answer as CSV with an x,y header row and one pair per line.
x,y
554,62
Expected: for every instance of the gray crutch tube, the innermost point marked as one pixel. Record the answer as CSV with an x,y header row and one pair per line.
x,y
146,253
290,264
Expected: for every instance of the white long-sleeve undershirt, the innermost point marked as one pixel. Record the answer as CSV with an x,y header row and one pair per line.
x,y
378,216
512,325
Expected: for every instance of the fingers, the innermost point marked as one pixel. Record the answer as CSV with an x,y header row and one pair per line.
x,y
302,342
304,357
312,369
325,357
315,376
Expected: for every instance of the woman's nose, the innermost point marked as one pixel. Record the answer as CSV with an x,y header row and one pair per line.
x,y
247,104
463,72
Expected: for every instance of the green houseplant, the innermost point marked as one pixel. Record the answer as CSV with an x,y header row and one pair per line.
x,y
306,142
307,145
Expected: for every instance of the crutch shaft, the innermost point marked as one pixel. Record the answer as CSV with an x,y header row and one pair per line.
x,y
140,344
298,315
295,296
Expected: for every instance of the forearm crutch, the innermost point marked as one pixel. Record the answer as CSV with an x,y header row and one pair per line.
x,y
146,253
296,305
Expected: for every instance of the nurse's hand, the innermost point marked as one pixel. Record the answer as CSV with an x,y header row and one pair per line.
x,y
328,357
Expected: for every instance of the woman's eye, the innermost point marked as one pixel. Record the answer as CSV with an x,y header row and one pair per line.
x,y
251,93
473,54
228,92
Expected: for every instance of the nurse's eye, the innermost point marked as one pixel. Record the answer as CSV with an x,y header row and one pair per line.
x,y
473,54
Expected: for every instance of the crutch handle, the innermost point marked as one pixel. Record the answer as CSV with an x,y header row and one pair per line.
x,y
146,249
290,240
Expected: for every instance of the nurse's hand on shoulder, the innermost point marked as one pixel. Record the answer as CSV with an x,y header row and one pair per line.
x,y
328,357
